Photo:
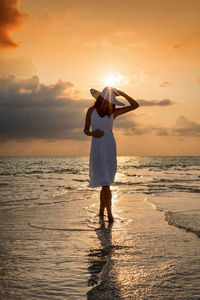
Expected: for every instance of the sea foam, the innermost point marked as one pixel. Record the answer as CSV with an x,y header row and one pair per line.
x,y
188,220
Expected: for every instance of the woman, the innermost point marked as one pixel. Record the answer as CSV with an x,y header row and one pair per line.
x,y
103,162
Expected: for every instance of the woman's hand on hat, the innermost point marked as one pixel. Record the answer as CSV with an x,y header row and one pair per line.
x,y
97,133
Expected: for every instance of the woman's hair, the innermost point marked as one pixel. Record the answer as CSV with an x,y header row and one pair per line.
x,y
100,102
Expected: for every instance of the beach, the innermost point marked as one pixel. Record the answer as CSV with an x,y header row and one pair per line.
x,y
99,98
56,247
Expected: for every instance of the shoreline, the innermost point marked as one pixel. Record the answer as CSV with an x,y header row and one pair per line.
x,y
147,257
69,252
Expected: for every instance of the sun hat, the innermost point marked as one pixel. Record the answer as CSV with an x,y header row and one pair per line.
x,y
109,94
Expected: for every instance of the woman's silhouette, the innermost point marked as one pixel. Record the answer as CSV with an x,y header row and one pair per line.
x,y
103,163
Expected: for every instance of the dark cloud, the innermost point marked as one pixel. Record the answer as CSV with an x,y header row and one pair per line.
x,y
130,126
127,124
10,19
30,109
164,102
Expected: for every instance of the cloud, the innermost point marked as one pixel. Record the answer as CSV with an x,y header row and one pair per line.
x,y
176,47
10,19
161,131
129,126
164,102
32,110
125,122
165,83
182,127
185,127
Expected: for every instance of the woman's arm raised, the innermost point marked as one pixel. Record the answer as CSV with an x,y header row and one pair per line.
x,y
133,105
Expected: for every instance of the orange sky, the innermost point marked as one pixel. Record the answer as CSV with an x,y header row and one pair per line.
x,y
53,52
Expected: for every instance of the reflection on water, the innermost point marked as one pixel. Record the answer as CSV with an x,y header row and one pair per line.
x,y
104,285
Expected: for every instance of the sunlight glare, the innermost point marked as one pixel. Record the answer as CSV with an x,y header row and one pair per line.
x,y
112,80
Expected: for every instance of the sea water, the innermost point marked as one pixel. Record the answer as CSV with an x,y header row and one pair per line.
x,y
53,247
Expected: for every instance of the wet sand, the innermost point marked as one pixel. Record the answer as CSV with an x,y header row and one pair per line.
x,y
62,250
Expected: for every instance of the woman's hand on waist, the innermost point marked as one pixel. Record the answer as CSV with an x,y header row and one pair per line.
x,y
97,133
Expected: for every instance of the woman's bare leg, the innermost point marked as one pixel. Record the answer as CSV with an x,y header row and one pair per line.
x,y
106,197
102,203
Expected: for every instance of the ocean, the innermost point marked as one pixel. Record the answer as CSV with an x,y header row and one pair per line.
x,y
53,245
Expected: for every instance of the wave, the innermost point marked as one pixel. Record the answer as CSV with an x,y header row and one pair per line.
x,y
7,173
156,187
185,188
173,180
127,183
3,183
63,171
188,220
32,172
162,166
58,171
61,229
81,180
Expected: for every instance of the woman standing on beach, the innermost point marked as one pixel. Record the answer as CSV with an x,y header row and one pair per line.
x,y
103,161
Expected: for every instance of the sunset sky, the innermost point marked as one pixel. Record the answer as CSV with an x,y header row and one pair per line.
x,y
53,52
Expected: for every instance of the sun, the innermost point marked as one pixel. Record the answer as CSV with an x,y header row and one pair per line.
x,y
114,79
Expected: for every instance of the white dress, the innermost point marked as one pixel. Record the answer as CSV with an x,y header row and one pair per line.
x,y
103,160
